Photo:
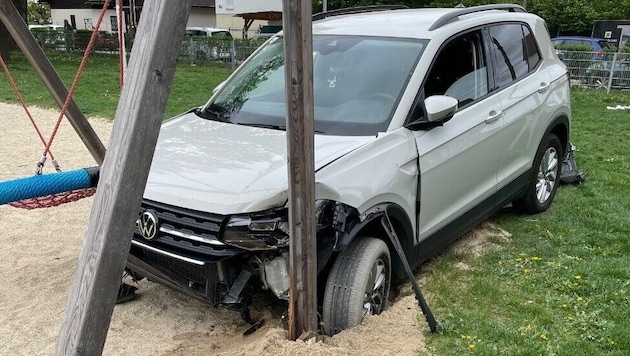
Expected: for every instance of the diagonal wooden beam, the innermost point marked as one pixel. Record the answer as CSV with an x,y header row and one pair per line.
x,y
123,177
18,29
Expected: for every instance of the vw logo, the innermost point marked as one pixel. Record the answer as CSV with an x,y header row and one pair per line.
x,y
148,225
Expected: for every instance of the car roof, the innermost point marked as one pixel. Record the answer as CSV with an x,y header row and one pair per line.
x,y
410,23
210,29
583,38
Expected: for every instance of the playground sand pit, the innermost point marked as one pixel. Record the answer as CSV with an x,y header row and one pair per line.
x,y
38,257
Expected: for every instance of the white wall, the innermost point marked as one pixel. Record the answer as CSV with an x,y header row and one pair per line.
x,y
235,25
81,15
234,7
201,17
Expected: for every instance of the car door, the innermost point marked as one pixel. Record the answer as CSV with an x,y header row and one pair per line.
x,y
523,85
458,161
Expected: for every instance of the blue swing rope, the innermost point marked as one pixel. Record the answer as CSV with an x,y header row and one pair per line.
x,y
41,188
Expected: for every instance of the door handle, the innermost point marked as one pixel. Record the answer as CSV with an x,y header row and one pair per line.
x,y
493,116
543,87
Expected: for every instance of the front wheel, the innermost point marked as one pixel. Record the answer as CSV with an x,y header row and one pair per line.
x,y
546,178
358,284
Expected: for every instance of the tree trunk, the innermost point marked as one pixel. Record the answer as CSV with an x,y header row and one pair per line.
x,y
7,44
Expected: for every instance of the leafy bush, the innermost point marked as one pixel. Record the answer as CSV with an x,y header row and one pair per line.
x,y
575,48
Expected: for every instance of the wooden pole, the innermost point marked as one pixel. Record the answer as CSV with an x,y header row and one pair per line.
x,y
298,49
37,58
123,177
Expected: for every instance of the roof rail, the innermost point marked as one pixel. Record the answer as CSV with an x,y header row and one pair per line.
x,y
356,10
454,15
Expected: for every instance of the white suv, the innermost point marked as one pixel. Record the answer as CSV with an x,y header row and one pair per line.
x,y
430,118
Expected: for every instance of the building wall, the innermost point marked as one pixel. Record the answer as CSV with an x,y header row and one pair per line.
x,y
233,7
235,25
86,18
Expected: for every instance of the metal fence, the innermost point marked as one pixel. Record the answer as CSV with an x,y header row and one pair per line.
x,y
194,50
598,70
604,70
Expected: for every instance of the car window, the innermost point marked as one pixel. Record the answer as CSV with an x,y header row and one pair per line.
x,y
195,33
531,48
459,70
510,53
221,34
605,45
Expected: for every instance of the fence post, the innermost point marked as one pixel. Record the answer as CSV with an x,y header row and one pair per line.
x,y
233,54
612,72
191,51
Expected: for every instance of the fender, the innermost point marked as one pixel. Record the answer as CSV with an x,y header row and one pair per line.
x,y
346,225
560,127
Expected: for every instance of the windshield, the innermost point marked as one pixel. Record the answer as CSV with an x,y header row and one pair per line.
x,y
357,83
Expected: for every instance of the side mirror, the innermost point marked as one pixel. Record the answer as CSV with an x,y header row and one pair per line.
x,y
218,87
440,108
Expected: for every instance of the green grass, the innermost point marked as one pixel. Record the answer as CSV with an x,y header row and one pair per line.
x,y
98,91
561,284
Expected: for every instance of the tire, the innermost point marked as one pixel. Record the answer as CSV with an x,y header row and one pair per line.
x,y
545,178
358,284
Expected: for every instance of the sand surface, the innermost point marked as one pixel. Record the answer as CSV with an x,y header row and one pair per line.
x,y
38,257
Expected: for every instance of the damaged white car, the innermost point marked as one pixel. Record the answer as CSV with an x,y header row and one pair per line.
x,y
434,118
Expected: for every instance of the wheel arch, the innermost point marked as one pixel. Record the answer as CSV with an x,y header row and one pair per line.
x,y
560,127
371,226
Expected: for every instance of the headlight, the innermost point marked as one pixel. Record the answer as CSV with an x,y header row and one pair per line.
x,y
258,232
270,230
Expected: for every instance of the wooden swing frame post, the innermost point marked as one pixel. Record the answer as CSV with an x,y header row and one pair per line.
x,y
123,177
18,29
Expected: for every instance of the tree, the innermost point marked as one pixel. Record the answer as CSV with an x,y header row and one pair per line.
x,y
566,15
38,13
6,41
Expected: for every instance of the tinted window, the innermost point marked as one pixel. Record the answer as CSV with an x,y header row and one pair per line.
x,y
533,56
223,34
510,53
459,70
605,45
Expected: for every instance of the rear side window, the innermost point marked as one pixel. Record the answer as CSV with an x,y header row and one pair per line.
x,y
529,42
514,53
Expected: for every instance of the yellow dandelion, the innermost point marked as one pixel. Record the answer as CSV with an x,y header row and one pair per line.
x,y
543,337
471,346
580,299
525,270
565,306
578,277
536,258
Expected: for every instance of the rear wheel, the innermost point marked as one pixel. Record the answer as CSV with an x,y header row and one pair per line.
x,y
358,284
546,178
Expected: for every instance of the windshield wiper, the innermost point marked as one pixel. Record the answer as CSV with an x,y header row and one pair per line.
x,y
264,126
210,114
270,126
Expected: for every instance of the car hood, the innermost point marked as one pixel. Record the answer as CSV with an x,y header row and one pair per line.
x,y
224,168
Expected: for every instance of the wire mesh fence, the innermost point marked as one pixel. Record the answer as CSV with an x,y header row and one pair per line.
x,y
604,70
195,50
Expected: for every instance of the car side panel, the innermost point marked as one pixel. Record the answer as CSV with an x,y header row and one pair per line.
x,y
382,171
458,164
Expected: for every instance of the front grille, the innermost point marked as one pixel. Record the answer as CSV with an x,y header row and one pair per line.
x,y
188,233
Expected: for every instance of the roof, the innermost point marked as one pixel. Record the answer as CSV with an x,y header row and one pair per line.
x,y
409,23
